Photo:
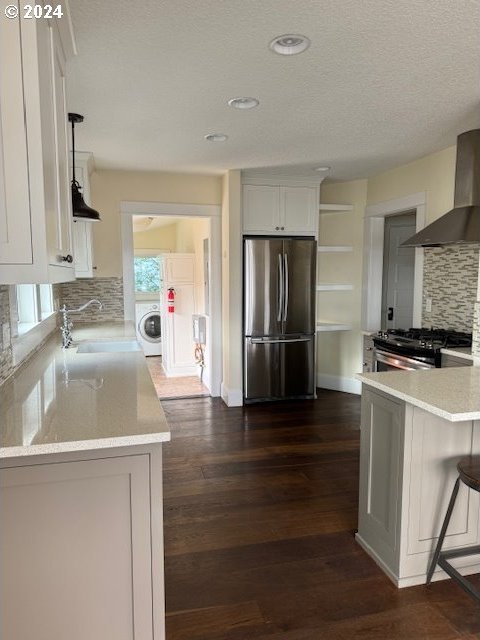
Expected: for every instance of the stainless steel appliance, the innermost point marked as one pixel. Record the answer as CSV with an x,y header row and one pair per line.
x,y
411,349
279,318
460,225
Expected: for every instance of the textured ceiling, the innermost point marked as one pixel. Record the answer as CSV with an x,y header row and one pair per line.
x,y
383,82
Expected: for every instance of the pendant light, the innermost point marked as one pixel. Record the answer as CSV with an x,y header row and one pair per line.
x,y
80,209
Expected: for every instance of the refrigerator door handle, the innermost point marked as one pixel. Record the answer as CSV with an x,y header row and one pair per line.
x,y
280,288
285,298
279,340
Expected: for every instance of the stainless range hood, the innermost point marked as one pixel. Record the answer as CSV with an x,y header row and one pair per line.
x,y
461,225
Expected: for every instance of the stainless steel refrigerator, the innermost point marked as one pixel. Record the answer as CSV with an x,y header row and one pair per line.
x,y
279,318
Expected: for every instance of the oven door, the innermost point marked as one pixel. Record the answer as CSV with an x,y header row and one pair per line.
x,y
385,361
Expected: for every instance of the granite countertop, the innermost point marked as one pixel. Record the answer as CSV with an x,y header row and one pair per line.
x,y
452,393
63,401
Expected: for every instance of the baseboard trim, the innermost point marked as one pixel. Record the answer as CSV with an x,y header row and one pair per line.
x,y
413,581
339,383
231,397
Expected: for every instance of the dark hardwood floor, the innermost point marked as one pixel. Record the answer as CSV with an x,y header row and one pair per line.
x,y
260,514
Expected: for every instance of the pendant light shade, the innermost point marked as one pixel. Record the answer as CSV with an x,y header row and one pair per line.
x,y
80,209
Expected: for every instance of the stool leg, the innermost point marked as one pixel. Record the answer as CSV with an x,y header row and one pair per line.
x,y
443,531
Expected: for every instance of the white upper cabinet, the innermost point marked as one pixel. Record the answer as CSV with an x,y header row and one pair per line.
x,y
36,243
261,209
280,210
15,217
83,229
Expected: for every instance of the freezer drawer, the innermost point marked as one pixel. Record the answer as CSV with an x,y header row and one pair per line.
x,y
279,368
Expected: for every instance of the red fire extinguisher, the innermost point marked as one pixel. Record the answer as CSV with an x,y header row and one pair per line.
x,y
171,300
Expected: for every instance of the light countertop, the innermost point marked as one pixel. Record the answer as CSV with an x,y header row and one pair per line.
x,y
63,401
459,352
452,393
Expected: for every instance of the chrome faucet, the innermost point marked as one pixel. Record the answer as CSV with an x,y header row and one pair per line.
x,y
67,324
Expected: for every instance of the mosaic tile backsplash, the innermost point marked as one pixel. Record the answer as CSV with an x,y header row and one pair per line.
x,y
108,290
450,277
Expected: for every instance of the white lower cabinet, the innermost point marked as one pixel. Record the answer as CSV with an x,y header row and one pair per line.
x,y
81,548
407,471
35,201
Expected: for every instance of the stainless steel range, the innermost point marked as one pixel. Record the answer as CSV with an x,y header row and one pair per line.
x,y
411,349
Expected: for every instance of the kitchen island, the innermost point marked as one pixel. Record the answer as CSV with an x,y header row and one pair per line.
x,y
81,544
415,427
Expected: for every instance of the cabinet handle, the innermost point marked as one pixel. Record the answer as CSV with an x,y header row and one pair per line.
x,y
68,258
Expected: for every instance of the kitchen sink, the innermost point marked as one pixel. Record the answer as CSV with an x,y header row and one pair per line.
x,y
108,346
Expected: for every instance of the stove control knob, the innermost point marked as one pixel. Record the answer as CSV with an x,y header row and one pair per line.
x,y
423,343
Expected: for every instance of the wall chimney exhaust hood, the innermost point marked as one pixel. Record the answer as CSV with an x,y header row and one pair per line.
x,y
461,225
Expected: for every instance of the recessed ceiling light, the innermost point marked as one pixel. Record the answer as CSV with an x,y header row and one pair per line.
x,y
216,137
289,44
322,168
244,103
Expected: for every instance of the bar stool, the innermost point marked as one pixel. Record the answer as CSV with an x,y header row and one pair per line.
x,y
469,474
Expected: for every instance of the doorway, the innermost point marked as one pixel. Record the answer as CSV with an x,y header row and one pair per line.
x,y
374,301
176,252
398,272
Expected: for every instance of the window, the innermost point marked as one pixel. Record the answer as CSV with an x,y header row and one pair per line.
x,y
34,304
147,274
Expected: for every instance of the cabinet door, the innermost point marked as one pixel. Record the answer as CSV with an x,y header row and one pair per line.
x,y
261,209
177,333
15,221
83,231
76,550
59,224
299,210
179,269
82,249
381,437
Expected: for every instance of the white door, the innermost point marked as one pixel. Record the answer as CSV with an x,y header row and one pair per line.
x,y
398,273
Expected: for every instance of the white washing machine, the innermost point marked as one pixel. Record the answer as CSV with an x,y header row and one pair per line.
x,y
149,327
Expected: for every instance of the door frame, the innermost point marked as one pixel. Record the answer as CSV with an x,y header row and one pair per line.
x,y
213,212
374,227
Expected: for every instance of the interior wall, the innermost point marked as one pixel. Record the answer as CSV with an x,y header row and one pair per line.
x,y
433,174
159,238
109,188
232,384
339,353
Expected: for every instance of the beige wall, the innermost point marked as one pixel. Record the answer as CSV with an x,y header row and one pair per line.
x,y
109,188
232,287
434,174
160,238
339,354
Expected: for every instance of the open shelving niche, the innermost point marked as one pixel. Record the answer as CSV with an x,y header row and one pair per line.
x,y
323,248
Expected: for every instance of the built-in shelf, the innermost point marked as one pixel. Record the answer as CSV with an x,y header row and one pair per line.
x,y
325,248
334,287
335,208
333,326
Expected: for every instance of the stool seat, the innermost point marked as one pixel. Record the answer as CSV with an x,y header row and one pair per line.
x,y
469,472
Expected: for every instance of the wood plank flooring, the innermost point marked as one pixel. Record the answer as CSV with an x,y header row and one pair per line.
x,y
260,514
